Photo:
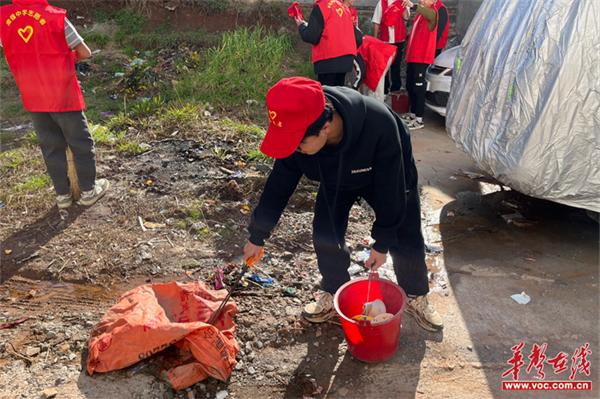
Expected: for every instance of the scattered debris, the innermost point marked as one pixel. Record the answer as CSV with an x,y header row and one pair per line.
x,y
218,278
221,395
263,281
8,251
522,298
518,220
289,292
12,324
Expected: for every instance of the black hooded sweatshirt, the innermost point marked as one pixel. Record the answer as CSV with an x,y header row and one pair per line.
x,y
374,158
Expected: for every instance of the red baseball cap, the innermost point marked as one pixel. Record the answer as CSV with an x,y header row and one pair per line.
x,y
293,104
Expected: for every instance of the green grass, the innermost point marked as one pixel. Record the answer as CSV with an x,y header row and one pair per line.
x,y
96,39
130,147
171,39
103,135
244,129
147,107
33,183
181,115
245,64
257,156
12,159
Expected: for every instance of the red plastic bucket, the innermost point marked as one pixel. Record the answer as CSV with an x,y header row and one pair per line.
x,y
400,102
366,342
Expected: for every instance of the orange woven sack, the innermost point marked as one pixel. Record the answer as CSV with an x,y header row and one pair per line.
x,y
152,317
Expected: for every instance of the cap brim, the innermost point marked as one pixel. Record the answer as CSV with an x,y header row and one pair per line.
x,y
277,145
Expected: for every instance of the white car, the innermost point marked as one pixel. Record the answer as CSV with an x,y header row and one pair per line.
x,y
439,80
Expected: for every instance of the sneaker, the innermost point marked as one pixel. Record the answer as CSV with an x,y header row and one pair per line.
x,y
321,310
415,125
91,197
408,117
64,201
424,314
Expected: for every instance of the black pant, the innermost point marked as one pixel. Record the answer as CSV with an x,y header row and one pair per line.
x,y
416,87
56,130
332,79
333,256
393,82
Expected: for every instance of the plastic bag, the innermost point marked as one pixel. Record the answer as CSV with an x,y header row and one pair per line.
x,y
152,317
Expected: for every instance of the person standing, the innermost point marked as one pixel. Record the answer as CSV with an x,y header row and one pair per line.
x,y
334,40
420,53
443,27
41,47
355,147
389,25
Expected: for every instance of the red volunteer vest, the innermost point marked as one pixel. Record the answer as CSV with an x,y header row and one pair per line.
x,y
337,38
43,65
391,16
421,42
354,15
444,38
377,55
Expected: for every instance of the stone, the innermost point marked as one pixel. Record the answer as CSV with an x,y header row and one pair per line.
x,y
49,393
259,344
251,370
32,351
343,391
221,395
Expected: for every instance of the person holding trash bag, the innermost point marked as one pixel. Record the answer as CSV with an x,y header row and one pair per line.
x,y
334,40
41,47
356,147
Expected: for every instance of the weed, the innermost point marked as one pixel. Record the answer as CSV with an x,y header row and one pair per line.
x,y
33,183
11,159
243,129
119,122
130,148
129,22
182,115
102,135
242,67
96,39
31,138
147,107
256,155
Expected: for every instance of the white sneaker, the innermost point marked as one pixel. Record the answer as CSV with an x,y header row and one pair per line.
x,y
91,197
424,314
321,310
415,125
408,117
64,201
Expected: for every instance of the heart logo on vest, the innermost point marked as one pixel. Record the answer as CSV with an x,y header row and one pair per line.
x,y
340,11
25,33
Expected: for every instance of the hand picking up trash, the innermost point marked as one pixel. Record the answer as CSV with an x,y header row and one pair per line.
x,y
355,147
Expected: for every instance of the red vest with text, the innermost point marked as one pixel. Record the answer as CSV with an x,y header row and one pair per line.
x,y
337,38
421,42
43,65
394,13
444,38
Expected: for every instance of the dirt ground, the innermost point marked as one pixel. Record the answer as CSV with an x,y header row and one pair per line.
x,y
66,269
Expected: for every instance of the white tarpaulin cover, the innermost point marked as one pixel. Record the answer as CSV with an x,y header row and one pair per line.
x,y
525,98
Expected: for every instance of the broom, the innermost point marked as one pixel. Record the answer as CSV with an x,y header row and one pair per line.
x,y
72,174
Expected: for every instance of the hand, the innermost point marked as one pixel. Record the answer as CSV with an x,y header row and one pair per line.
x,y
375,260
407,3
253,253
299,21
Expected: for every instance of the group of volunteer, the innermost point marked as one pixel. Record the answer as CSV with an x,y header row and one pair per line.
x,y
355,146
337,41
